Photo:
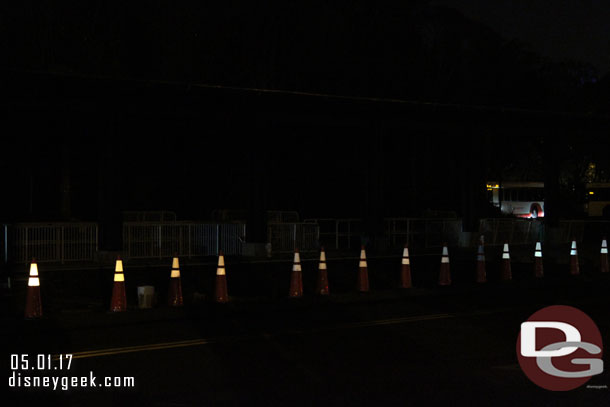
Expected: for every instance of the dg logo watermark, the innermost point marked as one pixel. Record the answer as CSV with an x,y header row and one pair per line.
x,y
560,348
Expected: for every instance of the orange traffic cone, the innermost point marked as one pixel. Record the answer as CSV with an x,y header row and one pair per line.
x,y
296,276
175,284
538,268
405,272
322,281
603,265
118,303
33,304
363,272
506,273
574,269
444,277
220,292
481,274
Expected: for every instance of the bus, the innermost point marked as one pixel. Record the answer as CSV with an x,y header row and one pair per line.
x,y
520,199
597,199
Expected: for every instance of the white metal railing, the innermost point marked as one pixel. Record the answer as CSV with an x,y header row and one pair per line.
x,y
513,231
50,242
158,240
338,233
286,237
435,232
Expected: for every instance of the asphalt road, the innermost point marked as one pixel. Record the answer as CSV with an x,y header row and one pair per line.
x,y
424,346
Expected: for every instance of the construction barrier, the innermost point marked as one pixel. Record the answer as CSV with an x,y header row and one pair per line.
x,y
142,240
339,233
286,237
422,232
433,232
57,242
78,241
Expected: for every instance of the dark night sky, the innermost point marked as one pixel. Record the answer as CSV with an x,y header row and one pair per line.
x,y
416,50
577,29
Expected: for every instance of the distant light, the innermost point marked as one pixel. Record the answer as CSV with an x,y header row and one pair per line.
x,y
591,193
490,186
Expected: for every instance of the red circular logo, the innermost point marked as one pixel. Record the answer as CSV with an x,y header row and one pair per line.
x,y
560,348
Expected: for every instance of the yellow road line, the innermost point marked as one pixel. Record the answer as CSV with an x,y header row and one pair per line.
x,y
139,348
198,342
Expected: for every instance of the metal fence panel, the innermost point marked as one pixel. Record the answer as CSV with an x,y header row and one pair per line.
x,y
338,233
513,231
434,232
232,238
204,240
159,240
308,237
281,236
50,242
419,232
80,242
428,233
581,230
286,237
